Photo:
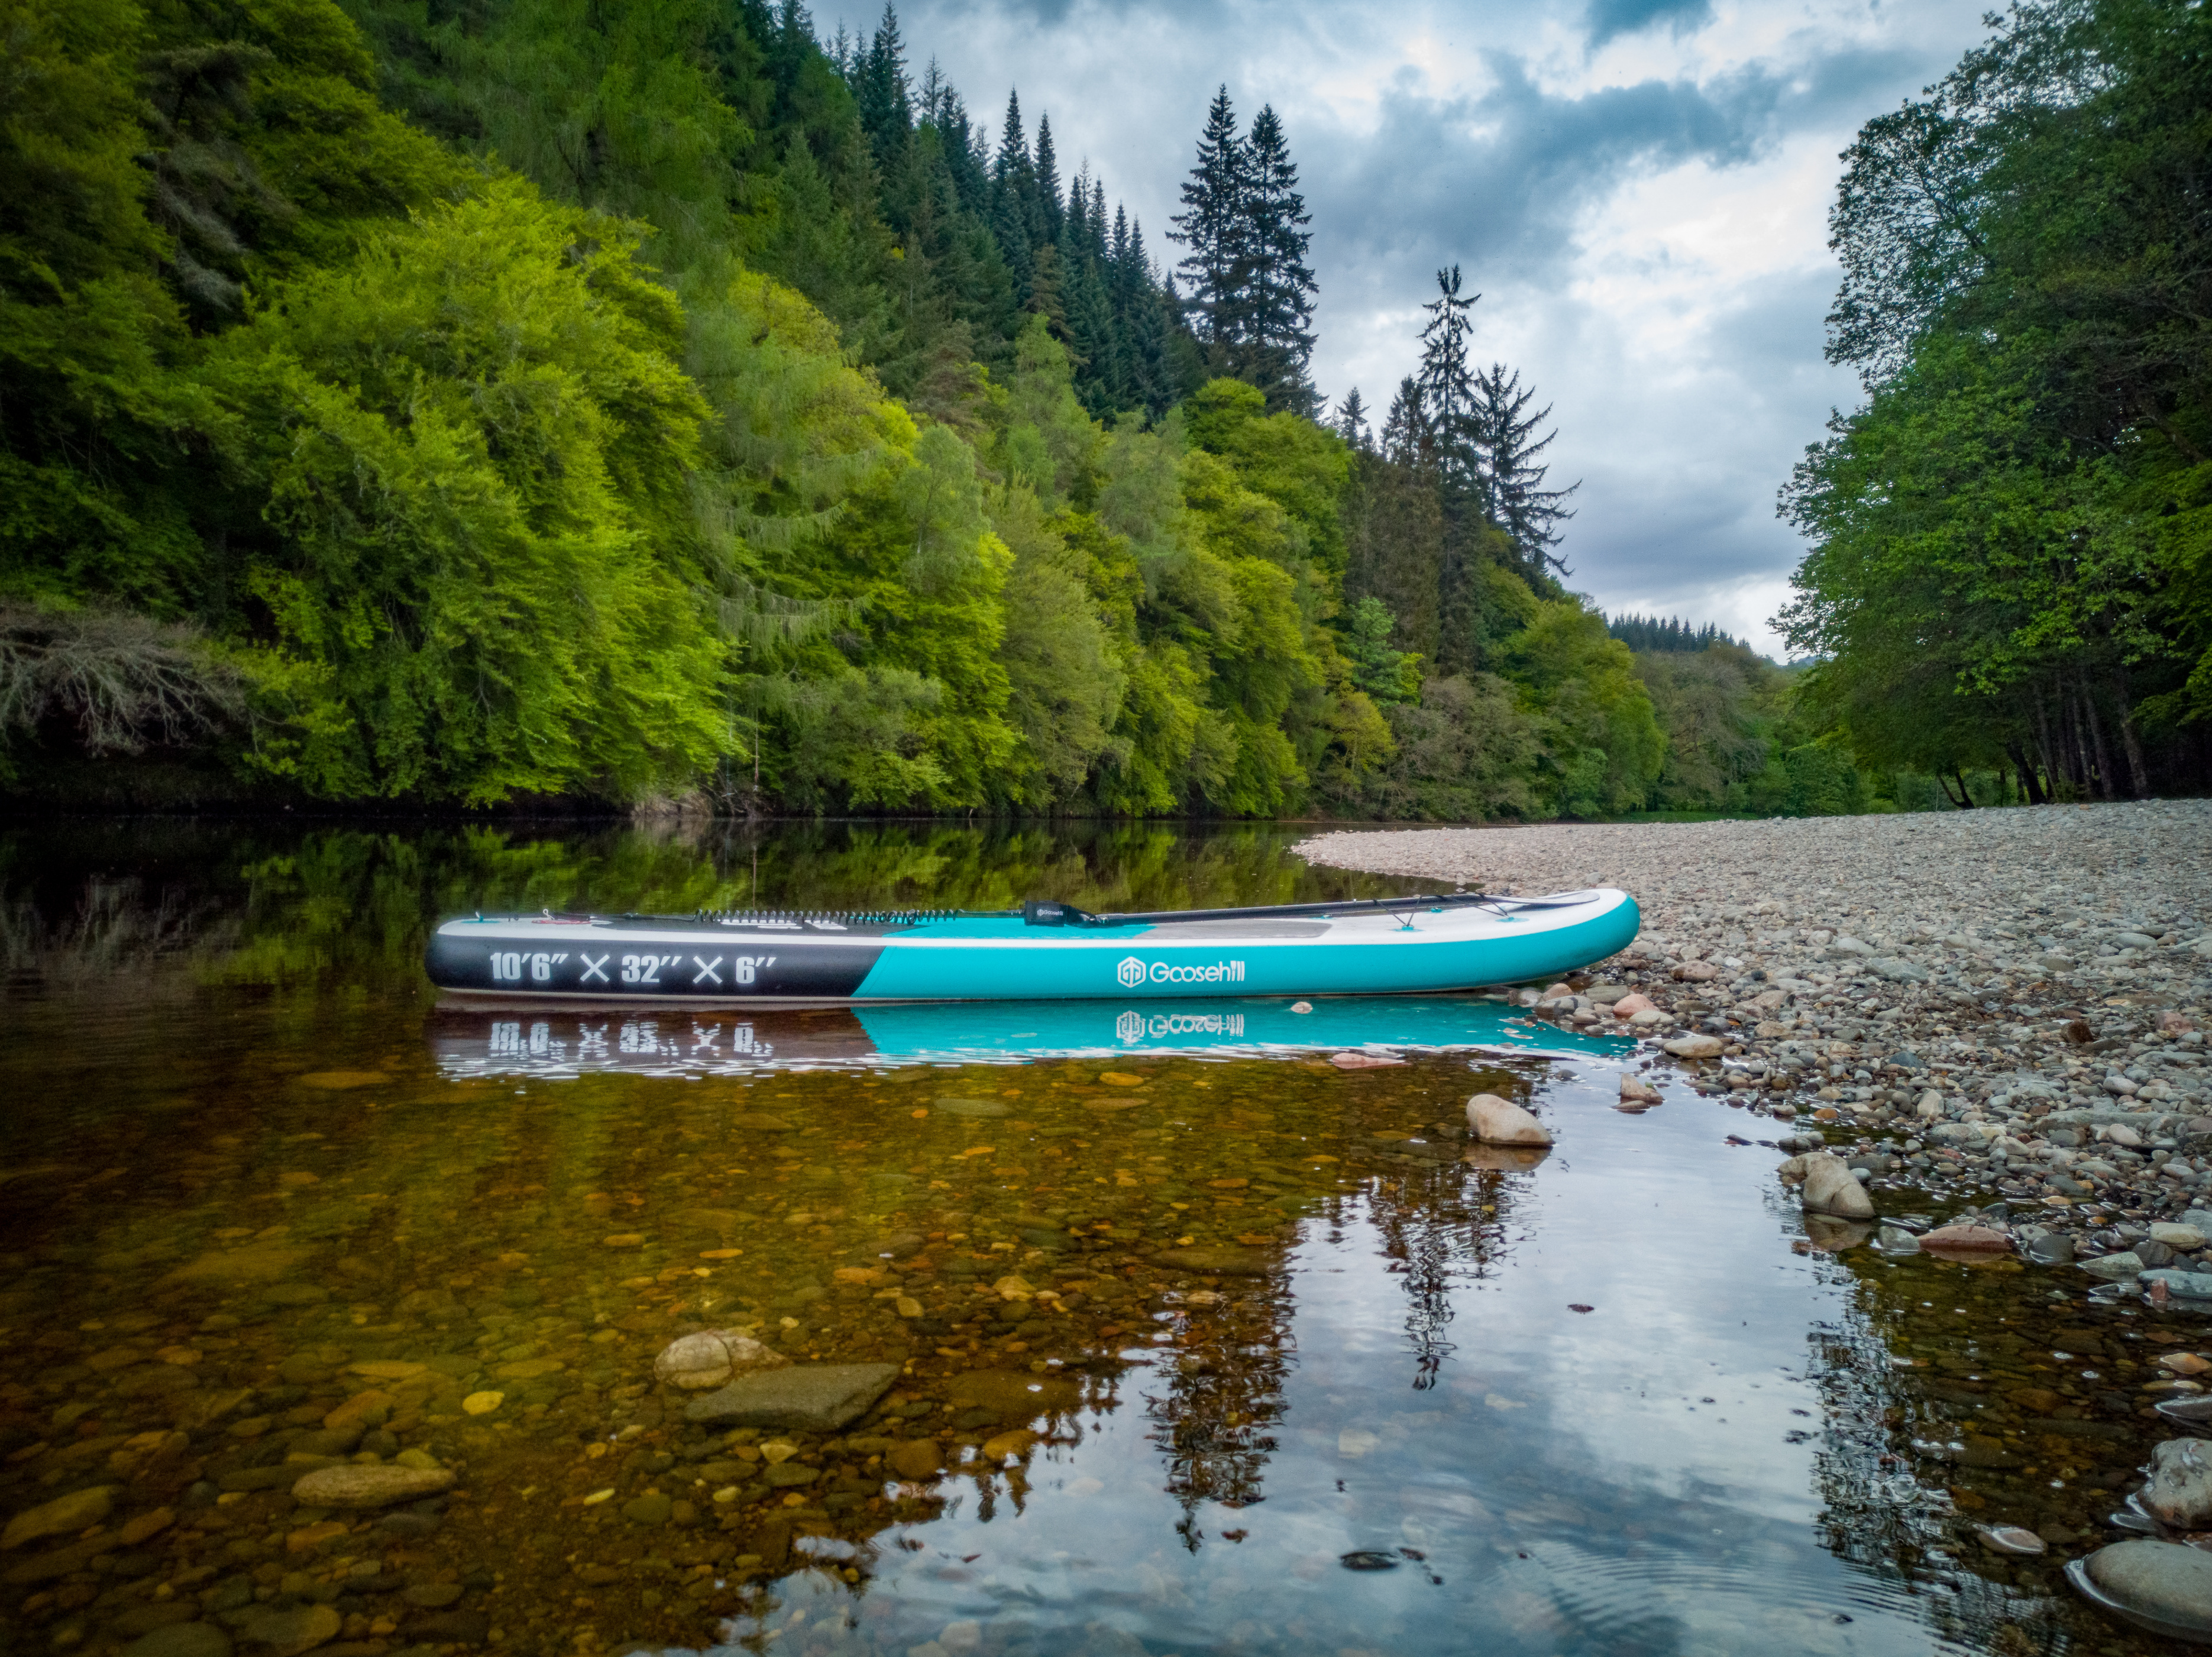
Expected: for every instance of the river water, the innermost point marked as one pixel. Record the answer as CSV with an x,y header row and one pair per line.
x,y
1288,1367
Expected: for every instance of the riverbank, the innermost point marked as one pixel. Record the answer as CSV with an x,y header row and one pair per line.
x,y
1978,1007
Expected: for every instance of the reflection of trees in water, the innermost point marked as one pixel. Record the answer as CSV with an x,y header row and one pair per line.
x,y
69,935
1213,1405
1438,1221
1095,864
1219,1395
1893,1509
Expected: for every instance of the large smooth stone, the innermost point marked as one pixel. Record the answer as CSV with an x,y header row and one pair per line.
x,y
2179,1493
63,1516
2163,1586
181,1639
808,1398
1499,1121
710,1358
369,1487
915,1458
2190,1285
262,1262
1695,1046
1012,1394
1219,1262
291,1632
1831,1187
2113,1267
1967,1240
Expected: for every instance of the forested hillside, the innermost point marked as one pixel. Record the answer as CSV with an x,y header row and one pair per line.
x,y
465,404
2012,541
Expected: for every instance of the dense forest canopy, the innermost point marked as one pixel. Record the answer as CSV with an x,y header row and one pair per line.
x,y
434,403
1670,634
2012,540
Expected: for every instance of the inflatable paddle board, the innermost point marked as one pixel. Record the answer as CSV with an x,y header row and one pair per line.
x,y
1050,951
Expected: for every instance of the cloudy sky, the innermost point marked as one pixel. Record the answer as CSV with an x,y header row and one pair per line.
x,y
1637,188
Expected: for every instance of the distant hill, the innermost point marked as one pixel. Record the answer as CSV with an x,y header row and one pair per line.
x,y
1651,632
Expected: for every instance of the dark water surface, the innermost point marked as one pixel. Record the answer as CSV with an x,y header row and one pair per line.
x,y
1290,1367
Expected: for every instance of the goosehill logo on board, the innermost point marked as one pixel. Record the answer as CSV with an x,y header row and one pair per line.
x,y
1132,971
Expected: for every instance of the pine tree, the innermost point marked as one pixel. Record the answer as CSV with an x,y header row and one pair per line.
x,y
964,145
1148,313
1048,220
1510,479
1276,307
1406,435
1013,184
1048,290
1351,423
882,90
1075,220
1212,225
1447,382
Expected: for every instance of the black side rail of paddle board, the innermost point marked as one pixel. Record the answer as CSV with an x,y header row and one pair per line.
x,y
1042,913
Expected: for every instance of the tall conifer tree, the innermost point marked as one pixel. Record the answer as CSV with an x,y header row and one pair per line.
x,y
882,91
1049,210
1447,377
1012,186
1351,423
1406,426
1212,225
1509,477
1275,309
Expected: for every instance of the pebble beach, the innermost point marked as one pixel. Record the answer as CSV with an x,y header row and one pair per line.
x,y
2006,1007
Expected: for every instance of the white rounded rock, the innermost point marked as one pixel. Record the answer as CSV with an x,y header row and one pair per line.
x,y
701,1363
1499,1121
2179,1493
1831,1187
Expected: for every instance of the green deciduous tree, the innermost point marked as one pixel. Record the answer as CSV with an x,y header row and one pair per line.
x,y
2009,538
470,445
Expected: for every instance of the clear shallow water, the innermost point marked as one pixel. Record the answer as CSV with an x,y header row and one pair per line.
x,y
244,1155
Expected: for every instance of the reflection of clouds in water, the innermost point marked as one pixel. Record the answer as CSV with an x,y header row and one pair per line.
x,y
1560,1486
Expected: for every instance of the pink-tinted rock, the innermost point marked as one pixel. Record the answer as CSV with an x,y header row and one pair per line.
x,y
1965,1240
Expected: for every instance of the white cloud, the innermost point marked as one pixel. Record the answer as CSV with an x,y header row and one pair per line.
x,y
1646,220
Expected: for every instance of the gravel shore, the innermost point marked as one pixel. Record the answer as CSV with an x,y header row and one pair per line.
x,y
2002,1009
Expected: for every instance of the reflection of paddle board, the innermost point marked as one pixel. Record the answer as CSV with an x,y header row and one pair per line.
x,y
554,1042
1385,946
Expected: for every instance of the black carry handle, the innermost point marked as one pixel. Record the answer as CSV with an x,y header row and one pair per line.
x,y
1041,913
